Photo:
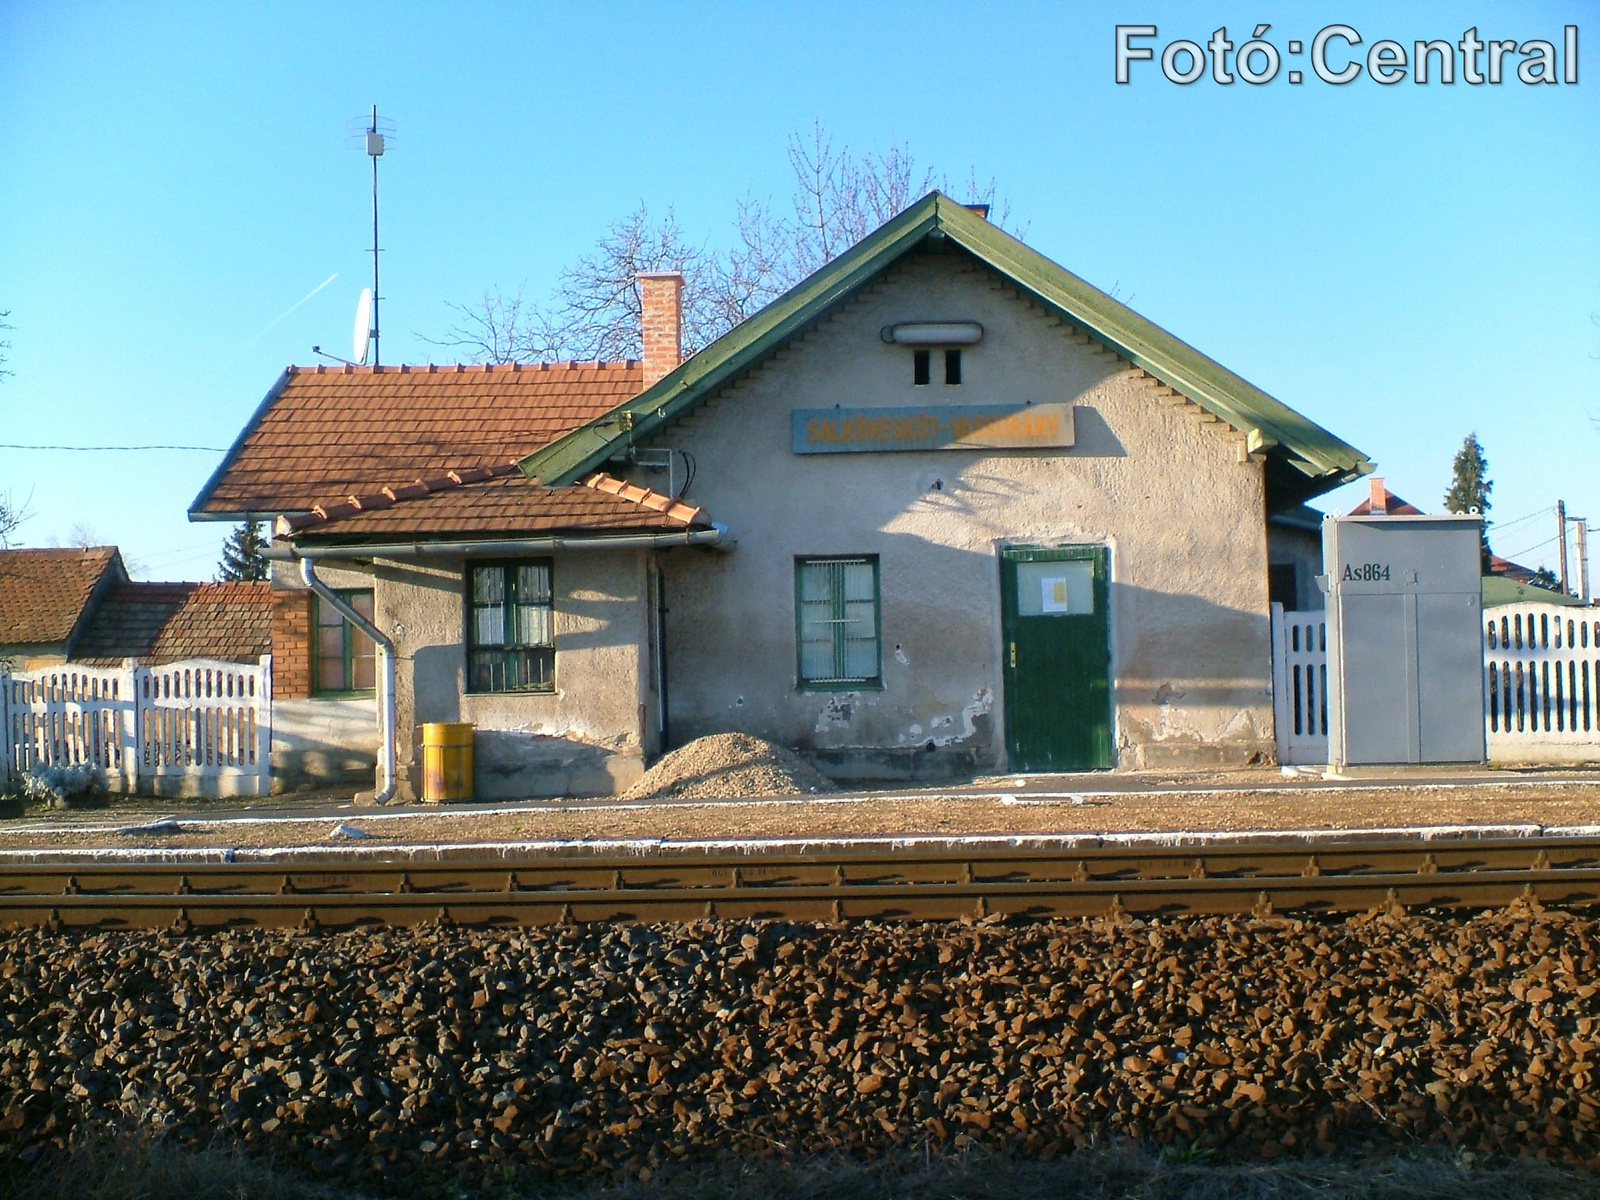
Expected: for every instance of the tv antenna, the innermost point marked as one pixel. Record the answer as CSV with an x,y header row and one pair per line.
x,y
373,135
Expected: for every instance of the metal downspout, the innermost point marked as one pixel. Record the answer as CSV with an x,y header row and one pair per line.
x,y
386,706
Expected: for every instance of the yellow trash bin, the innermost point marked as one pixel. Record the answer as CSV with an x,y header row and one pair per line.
x,y
446,761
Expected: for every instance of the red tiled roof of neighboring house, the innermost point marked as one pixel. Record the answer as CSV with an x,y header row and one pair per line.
x,y
166,622
1511,570
327,431
498,500
1381,502
43,592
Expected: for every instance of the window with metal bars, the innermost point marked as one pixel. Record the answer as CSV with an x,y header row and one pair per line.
x,y
837,622
510,635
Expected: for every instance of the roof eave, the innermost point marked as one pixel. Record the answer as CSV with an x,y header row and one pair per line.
x,y
1325,460
588,446
197,509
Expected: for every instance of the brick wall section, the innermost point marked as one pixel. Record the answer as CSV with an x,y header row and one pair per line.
x,y
291,645
661,319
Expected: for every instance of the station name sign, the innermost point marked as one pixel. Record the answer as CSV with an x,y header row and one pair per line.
x,y
938,427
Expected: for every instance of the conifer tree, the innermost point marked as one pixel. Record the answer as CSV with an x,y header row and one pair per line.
x,y
1470,486
244,555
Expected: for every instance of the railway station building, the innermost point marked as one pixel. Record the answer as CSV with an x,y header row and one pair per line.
x,y
943,508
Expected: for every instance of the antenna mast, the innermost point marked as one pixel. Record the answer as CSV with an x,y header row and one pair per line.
x,y
375,147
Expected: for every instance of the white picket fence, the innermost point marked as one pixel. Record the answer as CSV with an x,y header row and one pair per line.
x,y
196,728
1541,684
1299,685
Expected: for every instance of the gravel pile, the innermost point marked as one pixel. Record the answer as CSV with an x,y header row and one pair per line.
x,y
427,1059
729,764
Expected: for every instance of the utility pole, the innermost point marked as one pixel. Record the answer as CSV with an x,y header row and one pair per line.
x,y
1561,525
1583,557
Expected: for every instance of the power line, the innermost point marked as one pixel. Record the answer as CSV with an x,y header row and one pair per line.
x,y
19,446
1502,526
1540,546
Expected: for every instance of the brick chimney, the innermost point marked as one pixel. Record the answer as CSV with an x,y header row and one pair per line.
x,y
661,318
1377,495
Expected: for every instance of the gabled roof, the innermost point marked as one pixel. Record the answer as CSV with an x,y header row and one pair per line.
x,y
1382,502
324,432
167,622
496,501
1313,459
43,593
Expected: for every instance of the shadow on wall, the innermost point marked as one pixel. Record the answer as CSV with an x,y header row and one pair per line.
x,y
1193,677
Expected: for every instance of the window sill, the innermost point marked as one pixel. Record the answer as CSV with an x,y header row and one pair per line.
x,y
359,694
543,691
840,685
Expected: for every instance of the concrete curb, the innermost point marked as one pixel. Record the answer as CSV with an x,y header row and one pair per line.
x,y
444,851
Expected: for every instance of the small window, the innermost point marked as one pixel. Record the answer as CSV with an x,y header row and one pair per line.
x,y
837,622
952,366
345,661
510,635
921,370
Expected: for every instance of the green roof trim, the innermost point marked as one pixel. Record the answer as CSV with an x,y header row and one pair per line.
x,y
1321,460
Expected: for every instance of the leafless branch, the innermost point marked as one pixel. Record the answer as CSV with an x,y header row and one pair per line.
x,y
839,198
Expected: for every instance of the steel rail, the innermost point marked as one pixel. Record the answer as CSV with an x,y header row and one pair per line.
x,y
914,884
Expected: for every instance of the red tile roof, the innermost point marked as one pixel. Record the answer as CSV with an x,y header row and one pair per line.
x,y
327,431
497,500
43,592
1382,502
166,622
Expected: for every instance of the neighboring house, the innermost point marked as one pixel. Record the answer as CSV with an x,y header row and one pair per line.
x,y
969,513
161,623
79,606
47,597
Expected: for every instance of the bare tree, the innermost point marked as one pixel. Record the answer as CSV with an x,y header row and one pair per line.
x,y
839,198
12,514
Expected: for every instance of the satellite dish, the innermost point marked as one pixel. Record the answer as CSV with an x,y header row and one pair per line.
x,y
361,337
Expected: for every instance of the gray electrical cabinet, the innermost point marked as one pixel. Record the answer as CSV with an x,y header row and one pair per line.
x,y
1405,639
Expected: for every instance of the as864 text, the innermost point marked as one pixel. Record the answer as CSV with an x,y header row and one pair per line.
x,y
1365,573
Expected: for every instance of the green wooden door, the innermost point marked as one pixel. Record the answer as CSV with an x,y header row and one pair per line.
x,y
1057,658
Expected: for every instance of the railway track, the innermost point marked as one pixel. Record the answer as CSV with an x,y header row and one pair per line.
x,y
913,884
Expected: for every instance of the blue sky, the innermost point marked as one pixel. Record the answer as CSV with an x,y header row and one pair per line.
x,y
1402,264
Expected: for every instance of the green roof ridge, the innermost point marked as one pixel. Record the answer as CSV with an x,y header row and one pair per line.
x,y
1269,424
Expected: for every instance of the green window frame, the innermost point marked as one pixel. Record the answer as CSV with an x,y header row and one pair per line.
x,y
343,659
511,626
838,623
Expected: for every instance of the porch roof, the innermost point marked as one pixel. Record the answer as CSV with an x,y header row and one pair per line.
x,y
495,501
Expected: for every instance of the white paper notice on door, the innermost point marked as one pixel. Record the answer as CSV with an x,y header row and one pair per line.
x,y
1055,589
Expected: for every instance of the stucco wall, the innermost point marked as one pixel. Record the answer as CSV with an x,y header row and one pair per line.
x,y
1169,490
319,743
586,738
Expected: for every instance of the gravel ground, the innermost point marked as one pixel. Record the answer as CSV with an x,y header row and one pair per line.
x,y
955,812
410,1061
729,764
